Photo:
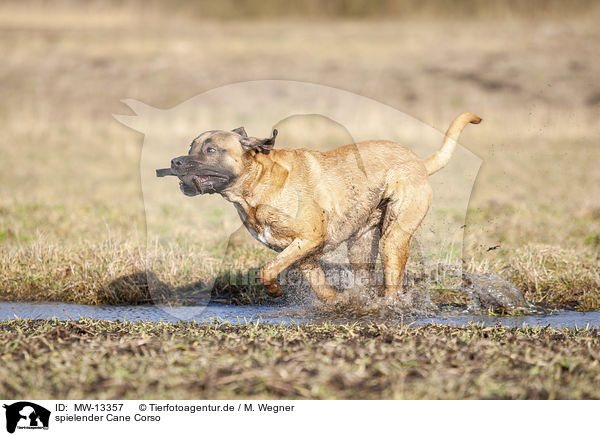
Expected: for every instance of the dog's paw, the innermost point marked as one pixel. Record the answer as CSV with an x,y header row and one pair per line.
x,y
274,290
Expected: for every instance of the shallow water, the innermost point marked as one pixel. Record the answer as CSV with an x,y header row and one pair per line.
x,y
273,314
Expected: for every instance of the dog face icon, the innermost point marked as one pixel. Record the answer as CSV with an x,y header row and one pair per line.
x,y
26,414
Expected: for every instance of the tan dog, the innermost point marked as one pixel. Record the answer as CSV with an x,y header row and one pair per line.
x,y
303,203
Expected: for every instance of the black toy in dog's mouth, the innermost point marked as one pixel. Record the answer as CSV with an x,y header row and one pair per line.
x,y
194,184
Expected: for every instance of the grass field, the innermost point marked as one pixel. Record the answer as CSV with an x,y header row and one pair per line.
x,y
108,360
71,214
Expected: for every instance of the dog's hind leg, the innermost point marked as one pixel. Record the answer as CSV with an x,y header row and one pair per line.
x,y
395,248
363,251
404,215
316,278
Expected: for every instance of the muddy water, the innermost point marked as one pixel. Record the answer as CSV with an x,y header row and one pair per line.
x,y
275,314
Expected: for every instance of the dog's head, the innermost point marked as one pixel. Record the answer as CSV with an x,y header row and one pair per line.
x,y
216,159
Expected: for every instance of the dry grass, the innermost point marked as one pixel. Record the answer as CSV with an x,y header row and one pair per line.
x,y
71,215
335,9
555,274
110,360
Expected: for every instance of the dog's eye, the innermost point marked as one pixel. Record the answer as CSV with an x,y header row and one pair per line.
x,y
210,150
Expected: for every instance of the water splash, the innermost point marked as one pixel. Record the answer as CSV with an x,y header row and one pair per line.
x,y
482,294
490,292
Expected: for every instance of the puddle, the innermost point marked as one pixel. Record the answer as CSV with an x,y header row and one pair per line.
x,y
274,314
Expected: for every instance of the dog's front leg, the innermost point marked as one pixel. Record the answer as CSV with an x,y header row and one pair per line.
x,y
298,249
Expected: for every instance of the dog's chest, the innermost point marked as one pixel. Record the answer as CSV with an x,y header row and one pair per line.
x,y
261,230
265,236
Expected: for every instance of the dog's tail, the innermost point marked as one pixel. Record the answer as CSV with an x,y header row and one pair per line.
x,y
440,158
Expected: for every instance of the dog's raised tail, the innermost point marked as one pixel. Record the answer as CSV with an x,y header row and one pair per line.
x,y
440,158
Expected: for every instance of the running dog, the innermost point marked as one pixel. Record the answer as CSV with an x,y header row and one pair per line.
x,y
303,203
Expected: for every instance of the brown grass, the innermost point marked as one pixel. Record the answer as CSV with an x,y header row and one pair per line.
x,y
109,360
335,9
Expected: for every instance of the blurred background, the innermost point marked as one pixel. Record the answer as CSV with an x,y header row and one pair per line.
x,y
71,211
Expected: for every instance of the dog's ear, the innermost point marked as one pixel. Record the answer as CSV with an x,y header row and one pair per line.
x,y
262,145
240,131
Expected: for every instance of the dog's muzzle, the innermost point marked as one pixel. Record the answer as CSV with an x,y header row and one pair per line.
x,y
196,178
